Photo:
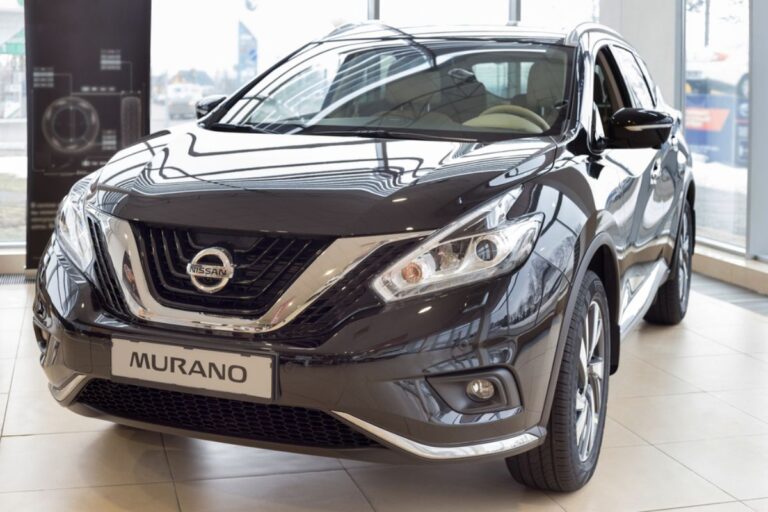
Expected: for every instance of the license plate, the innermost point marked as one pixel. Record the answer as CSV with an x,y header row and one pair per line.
x,y
193,368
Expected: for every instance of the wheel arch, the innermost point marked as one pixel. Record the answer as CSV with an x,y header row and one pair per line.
x,y
600,257
605,265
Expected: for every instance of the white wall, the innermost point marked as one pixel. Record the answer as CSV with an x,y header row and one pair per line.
x,y
655,29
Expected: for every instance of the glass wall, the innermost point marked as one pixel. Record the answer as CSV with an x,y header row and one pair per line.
x,y
435,12
216,46
717,115
13,124
221,45
559,14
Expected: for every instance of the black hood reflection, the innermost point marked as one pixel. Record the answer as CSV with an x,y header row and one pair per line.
x,y
310,184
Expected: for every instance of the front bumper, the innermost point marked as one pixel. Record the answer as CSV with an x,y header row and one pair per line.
x,y
376,375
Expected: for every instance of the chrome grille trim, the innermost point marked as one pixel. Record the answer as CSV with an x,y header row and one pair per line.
x,y
341,257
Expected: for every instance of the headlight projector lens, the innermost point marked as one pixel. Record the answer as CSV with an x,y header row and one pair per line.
x,y
486,250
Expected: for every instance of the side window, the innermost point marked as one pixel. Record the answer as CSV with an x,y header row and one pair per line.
x,y
648,79
633,76
607,95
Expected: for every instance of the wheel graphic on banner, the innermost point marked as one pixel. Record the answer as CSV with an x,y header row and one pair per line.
x,y
70,125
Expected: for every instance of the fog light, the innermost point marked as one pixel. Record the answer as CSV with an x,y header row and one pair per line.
x,y
481,390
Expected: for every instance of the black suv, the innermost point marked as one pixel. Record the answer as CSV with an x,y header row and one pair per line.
x,y
423,243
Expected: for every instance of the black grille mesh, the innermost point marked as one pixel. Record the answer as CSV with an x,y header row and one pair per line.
x,y
233,418
108,289
265,266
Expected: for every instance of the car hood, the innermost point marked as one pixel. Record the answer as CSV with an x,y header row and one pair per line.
x,y
310,184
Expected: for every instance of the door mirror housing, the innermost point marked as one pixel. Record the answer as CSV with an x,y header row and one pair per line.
x,y
207,104
632,128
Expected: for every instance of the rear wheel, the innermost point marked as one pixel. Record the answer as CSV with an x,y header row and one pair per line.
x,y
568,457
671,302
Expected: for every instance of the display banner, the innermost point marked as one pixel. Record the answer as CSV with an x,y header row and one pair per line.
x,y
87,96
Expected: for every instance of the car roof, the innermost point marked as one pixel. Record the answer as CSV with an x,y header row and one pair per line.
x,y
512,32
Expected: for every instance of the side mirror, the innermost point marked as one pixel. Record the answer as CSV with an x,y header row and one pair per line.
x,y
207,104
633,128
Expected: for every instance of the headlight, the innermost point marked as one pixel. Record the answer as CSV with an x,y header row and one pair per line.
x,y
72,225
477,246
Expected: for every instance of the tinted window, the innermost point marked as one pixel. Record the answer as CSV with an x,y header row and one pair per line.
x,y
633,77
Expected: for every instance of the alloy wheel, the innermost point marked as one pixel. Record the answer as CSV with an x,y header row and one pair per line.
x,y
591,372
684,260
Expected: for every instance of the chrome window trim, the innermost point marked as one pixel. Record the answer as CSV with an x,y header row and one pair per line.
x,y
432,452
333,264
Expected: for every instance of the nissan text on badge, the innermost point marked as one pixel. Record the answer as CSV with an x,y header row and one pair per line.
x,y
394,244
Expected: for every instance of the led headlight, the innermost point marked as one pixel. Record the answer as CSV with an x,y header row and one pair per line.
x,y
477,246
72,225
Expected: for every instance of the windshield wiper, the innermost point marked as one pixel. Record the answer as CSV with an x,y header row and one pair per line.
x,y
383,133
242,128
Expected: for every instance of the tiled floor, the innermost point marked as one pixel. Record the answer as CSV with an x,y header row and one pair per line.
x,y
687,430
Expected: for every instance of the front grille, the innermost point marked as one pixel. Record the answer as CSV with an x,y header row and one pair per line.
x,y
348,299
265,266
233,418
108,290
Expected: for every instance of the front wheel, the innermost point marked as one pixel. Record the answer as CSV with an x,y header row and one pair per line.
x,y
671,301
568,457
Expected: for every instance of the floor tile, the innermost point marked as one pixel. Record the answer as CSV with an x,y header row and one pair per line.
x,y
124,498
329,491
745,335
751,401
28,376
733,506
11,319
718,373
487,486
112,457
758,505
193,459
707,312
6,372
640,478
10,328
36,412
737,465
3,404
664,419
619,435
14,296
27,340
638,378
653,341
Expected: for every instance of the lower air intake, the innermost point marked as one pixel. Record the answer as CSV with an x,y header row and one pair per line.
x,y
234,418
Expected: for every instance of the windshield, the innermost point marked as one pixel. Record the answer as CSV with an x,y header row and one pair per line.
x,y
451,89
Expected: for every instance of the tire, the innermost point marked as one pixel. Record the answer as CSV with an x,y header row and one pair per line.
x,y
671,301
566,460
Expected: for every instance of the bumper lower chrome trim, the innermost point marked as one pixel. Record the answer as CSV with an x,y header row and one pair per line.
x,y
432,452
65,392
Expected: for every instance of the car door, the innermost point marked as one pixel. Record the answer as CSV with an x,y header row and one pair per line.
x,y
655,230
629,177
